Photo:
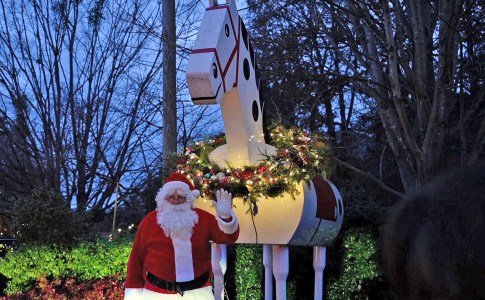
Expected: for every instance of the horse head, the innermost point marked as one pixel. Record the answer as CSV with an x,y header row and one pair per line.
x,y
222,70
212,67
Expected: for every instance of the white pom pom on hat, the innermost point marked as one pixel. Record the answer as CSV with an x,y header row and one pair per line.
x,y
178,181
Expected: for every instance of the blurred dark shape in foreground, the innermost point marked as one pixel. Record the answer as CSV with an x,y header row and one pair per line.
x,y
433,244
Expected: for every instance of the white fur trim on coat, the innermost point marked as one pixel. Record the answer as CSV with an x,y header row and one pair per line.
x,y
169,187
228,227
175,185
133,293
184,266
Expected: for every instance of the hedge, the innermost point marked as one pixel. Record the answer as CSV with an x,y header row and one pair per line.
x,y
102,259
86,261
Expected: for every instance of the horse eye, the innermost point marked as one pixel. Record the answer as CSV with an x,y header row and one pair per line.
x,y
226,28
214,70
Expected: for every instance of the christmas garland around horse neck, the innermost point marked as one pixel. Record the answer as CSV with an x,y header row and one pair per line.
x,y
300,156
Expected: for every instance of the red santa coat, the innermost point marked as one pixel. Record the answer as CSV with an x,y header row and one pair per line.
x,y
176,259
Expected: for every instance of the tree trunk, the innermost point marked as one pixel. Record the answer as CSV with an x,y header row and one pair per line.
x,y
169,80
445,85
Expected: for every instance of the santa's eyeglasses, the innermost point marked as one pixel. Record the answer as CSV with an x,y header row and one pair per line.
x,y
176,194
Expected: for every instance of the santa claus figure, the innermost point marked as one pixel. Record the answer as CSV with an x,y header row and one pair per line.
x,y
170,258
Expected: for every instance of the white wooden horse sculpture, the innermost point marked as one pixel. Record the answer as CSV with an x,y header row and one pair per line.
x,y
222,70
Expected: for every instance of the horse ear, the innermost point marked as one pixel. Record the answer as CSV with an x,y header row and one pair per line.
x,y
213,3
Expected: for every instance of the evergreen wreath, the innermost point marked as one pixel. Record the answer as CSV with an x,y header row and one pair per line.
x,y
300,156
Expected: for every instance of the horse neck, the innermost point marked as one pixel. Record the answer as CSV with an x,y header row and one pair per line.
x,y
241,108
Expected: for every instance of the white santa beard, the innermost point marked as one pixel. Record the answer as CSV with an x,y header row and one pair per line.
x,y
177,220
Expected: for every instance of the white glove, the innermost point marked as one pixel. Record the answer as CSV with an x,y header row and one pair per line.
x,y
223,204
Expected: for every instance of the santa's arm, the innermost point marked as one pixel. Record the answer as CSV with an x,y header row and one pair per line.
x,y
134,276
224,232
228,225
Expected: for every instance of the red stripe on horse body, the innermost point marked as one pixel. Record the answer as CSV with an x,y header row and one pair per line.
x,y
232,25
203,50
230,16
326,200
236,47
217,7
235,50
220,68
214,50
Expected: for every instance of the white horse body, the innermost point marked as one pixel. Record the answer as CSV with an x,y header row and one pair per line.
x,y
222,70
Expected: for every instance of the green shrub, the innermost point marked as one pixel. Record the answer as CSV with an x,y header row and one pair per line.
x,y
44,218
249,272
86,261
359,267
100,259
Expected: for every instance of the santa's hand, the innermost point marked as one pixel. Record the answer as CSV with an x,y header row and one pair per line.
x,y
223,204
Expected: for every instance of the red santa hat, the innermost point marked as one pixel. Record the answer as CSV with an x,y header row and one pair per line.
x,y
178,181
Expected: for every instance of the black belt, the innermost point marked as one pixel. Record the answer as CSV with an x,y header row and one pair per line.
x,y
179,287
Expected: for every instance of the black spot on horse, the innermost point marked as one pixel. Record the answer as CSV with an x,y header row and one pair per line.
x,y
244,35
226,30
251,53
255,111
246,69
257,77
214,70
